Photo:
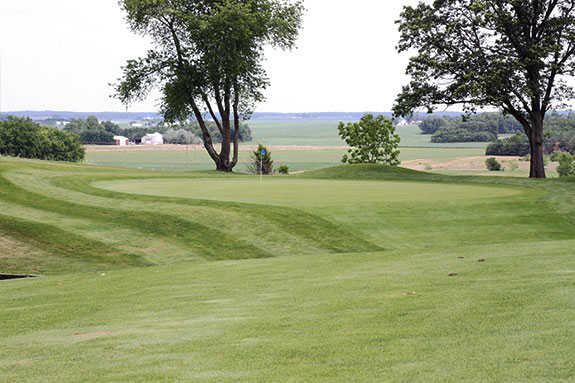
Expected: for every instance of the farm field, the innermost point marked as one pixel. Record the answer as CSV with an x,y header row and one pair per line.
x,y
325,133
301,144
351,273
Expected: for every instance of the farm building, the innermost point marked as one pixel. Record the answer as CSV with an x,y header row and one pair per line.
x,y
153,139
121,140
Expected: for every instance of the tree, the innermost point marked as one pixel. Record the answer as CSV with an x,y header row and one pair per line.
x,y
261,164
92,132
372,141
207,60
514,55
22,137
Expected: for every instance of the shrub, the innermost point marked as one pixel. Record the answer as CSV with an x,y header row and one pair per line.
x,y
21,137
492,164
261,164
566,165
556,155
283,169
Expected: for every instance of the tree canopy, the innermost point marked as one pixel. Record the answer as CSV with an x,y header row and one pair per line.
x,y
22,137
207,59
514,55
372,140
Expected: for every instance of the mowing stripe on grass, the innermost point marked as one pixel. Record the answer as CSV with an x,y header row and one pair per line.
x,y
321,232
209,243
65,244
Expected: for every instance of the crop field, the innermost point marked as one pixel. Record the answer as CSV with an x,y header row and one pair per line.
x,y
345,274
325,133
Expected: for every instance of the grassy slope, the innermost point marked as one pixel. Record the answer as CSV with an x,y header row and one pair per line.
x,y
339,308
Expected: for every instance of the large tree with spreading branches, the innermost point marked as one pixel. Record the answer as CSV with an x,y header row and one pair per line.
x,y
207,60
515,55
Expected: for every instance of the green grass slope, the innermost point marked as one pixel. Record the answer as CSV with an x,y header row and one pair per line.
x,y
356,273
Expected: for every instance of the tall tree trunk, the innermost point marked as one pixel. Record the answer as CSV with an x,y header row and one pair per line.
x,y
536,144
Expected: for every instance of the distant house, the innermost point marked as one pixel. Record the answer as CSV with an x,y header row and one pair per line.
x,y
153,139
121,140
136,125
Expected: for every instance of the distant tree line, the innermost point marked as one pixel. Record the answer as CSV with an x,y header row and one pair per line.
x,y
558,136
22,137
93,132
477,128
559,132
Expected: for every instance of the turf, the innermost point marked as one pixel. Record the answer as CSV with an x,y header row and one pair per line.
x,y
352,273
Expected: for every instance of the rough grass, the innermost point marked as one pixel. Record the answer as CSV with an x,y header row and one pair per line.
x,y
312,292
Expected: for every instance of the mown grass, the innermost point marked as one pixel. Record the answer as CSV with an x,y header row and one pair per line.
x,y
310,289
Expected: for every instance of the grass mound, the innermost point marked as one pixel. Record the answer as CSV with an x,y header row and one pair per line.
x,y
369,172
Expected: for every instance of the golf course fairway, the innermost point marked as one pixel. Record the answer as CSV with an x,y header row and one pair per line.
x,y
346,274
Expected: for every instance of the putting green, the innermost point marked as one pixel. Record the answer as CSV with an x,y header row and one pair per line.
x,y
284,191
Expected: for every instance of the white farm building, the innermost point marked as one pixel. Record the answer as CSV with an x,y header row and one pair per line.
x,y
153,139
121,140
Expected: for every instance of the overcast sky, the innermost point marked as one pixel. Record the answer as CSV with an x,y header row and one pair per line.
x,y
62,55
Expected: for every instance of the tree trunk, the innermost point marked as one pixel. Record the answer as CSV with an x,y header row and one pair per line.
x,y
536,144
224,166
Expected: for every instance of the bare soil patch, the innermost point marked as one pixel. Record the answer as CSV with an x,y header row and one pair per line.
x,y
476,163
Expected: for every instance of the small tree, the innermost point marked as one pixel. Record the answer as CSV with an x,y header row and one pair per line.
x,y
372,141
261,164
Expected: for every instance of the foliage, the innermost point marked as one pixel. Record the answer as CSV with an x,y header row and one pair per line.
x,y
431,124
21,137
372,140
492,164
92,132
509,54
483,127
444,135
261,164
516,145
566,165
283,169
96,137
207,60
